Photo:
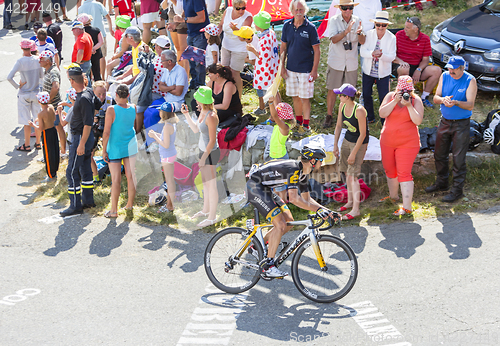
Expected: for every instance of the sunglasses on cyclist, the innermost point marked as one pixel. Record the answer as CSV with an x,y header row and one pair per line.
x,y
378,25
346,8
240,8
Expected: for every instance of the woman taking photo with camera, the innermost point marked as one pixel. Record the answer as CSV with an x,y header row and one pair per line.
x,y
399,140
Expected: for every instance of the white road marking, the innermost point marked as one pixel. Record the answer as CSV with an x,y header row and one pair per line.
x,y
19,296
211,323
54,218
371,321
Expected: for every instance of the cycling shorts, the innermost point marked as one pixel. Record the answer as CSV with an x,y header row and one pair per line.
x,y
267,203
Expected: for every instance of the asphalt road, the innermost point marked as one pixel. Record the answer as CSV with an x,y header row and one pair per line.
x,y
88,280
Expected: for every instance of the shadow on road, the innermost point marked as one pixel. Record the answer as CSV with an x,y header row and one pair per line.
x,y
69,232
401,238
459,235
109,239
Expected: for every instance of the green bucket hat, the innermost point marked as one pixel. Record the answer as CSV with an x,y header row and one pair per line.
x,y
262,20
204,95
122,21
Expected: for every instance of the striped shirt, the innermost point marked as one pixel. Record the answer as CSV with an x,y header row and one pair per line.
x,y
52,75
410,51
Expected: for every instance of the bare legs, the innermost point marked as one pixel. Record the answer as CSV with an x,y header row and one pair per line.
x,y
168,172
116,178
238,80
353,195
210,194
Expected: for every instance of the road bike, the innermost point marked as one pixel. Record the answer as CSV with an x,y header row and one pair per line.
x,y
324,267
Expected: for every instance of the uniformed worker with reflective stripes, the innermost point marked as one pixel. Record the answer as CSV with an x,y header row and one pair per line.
x,y
79,172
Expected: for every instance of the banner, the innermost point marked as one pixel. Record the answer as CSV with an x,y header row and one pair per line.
x,y
278,9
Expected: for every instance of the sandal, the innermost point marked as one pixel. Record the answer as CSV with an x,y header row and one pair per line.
x,y
386,198
164,209
66,19
206,222
199,214
24,147
110,215
342,209
401,212
348,217
38,146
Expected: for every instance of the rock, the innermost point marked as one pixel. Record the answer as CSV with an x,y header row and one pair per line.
x,y
473,160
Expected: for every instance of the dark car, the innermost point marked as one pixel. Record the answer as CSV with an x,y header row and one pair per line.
x,y
474,35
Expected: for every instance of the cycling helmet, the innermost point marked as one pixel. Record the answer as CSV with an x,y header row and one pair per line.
x,y
312,152
488,136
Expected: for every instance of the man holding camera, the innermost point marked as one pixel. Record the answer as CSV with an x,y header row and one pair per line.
x,y
345,32
456,93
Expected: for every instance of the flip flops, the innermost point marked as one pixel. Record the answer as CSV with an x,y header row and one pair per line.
x,y
342,209
110,215
402,211
206,222
24,147
386,198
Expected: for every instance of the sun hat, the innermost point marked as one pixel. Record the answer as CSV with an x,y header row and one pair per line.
x,y
167,107
26,44
162,40
73,64
204,95
122,21
381,17
346,3
405,83
83,17
262,20
285,111
346,89
77,25
46,54
245,32
71,93
211,29
455,62
43,97
33,47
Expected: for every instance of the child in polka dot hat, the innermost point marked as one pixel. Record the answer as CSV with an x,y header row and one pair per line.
x,y
267,61
50,139
212,54
282,115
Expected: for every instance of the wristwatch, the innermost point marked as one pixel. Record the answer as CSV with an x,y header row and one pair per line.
x,y
185,20
419,69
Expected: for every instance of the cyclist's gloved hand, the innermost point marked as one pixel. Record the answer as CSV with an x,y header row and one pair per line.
x,y
323,213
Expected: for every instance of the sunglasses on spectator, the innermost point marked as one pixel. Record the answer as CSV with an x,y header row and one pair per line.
x,y
240,8
409,20
346,8
378,25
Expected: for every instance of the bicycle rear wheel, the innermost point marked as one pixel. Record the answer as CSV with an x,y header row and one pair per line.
x,y
325,286
227,273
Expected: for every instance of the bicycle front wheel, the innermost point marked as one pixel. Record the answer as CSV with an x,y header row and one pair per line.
x,y
227,272
335,280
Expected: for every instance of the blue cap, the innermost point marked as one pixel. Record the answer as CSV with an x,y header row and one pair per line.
x,y
76,25
167,107
455,62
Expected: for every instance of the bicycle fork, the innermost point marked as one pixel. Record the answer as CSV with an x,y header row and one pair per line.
x,y
317,252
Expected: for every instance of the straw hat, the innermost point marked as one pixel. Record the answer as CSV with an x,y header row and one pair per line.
x,y
346,3
381,17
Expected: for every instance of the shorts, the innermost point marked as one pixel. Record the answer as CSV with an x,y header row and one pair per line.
x,y
57,121
335,78
27,108
181,29
297,84
345,151
261,92
267,203
116,160
170,159
235,60
213,158
395,67
150,17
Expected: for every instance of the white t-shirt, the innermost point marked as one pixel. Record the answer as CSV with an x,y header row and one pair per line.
x,y
255,44
209,60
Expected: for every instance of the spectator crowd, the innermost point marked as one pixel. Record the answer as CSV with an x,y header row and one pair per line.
x,y
144,82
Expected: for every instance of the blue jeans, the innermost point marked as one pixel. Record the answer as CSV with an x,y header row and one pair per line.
x,y
7,14
197,70
86,66
382,87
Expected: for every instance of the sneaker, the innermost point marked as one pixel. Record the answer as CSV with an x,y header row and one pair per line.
x,y
259,111
427,103
41,159
64,156
267,122
49,179
153,147
273,272
302,131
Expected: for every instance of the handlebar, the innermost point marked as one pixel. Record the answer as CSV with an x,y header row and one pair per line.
x,y
331,221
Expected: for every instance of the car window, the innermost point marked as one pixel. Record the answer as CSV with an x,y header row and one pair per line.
x,y
493,5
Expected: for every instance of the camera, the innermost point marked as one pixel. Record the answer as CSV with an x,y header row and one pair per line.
x,y
99,124
347,45
406,96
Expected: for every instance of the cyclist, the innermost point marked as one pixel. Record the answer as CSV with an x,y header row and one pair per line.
x,y
295,175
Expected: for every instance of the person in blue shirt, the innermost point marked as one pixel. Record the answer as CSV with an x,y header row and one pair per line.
x,y
300,40
456,93
195,15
